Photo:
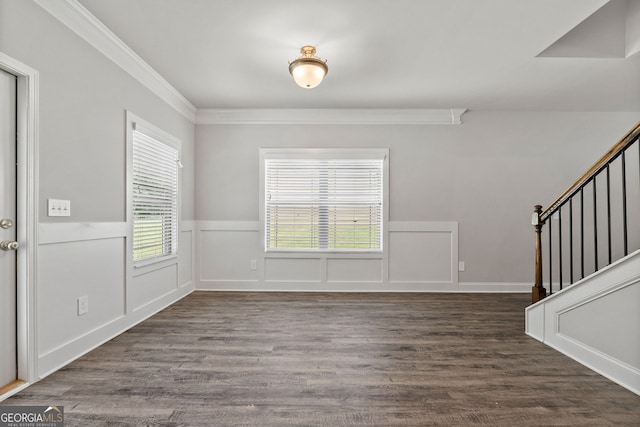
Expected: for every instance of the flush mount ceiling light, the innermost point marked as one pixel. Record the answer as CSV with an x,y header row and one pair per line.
x,y
308,70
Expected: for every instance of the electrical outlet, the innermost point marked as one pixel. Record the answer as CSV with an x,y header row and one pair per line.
x,y
461,266
83,305
254,264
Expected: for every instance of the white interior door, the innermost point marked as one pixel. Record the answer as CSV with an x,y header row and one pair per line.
x,y
8,244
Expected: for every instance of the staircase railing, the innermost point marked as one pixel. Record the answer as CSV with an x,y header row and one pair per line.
x,y
595,222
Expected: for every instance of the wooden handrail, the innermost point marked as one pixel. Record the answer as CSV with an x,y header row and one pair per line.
x,y
614,151
539,216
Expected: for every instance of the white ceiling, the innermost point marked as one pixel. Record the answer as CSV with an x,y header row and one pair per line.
x,y
476,54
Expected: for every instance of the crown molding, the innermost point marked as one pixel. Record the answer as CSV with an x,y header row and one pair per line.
x,y
333,116
88,27
75,16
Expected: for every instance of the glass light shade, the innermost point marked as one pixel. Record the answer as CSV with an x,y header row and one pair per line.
x,y
308,74
308,70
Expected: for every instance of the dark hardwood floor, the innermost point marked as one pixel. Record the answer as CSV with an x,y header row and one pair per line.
x,y
311,359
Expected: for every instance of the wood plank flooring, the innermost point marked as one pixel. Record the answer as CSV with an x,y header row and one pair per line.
x,y
335,359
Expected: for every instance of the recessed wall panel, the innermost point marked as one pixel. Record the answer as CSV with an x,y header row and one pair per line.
x,y
608,333
354,270
420,256
185,257
292,269
96,271
148,287
226,255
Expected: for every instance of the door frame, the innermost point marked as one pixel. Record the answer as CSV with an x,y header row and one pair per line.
x,y
27,217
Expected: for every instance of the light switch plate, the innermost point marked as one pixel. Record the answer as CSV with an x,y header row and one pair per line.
x,y
59,207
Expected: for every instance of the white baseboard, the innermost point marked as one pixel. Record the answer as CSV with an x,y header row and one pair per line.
x,y
296,286
495,287
605,365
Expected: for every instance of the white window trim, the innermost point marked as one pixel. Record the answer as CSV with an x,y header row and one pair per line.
x,y
325,153
134,122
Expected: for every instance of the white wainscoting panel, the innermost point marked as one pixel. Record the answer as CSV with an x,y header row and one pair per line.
x,y
299,270
585,324
88,259
419,256
354,270
225,255
68,271
424,253
185,257
152,285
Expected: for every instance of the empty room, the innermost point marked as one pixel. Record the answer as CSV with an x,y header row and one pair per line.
x,y
319,213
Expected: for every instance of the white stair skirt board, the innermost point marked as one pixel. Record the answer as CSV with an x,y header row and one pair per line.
x,y
595,322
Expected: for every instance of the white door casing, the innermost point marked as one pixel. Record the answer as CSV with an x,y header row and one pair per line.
x,y
8,235
25,144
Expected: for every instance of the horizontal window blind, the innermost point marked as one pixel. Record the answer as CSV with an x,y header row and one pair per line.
x,y
314,204
155,198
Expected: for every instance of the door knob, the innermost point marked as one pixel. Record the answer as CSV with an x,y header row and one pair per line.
x,y
6,223
8,245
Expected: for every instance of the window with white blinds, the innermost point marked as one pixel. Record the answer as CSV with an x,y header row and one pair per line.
x,y
329,204
154,198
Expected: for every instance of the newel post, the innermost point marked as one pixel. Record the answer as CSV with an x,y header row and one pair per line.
x,y
538,292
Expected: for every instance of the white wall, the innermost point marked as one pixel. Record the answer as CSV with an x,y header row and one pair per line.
x,y
83,99
482,177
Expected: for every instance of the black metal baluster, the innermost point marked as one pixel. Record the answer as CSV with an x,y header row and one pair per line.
x,y
624,203
571,240
550,260
609,213
595,226
582,232
560,246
